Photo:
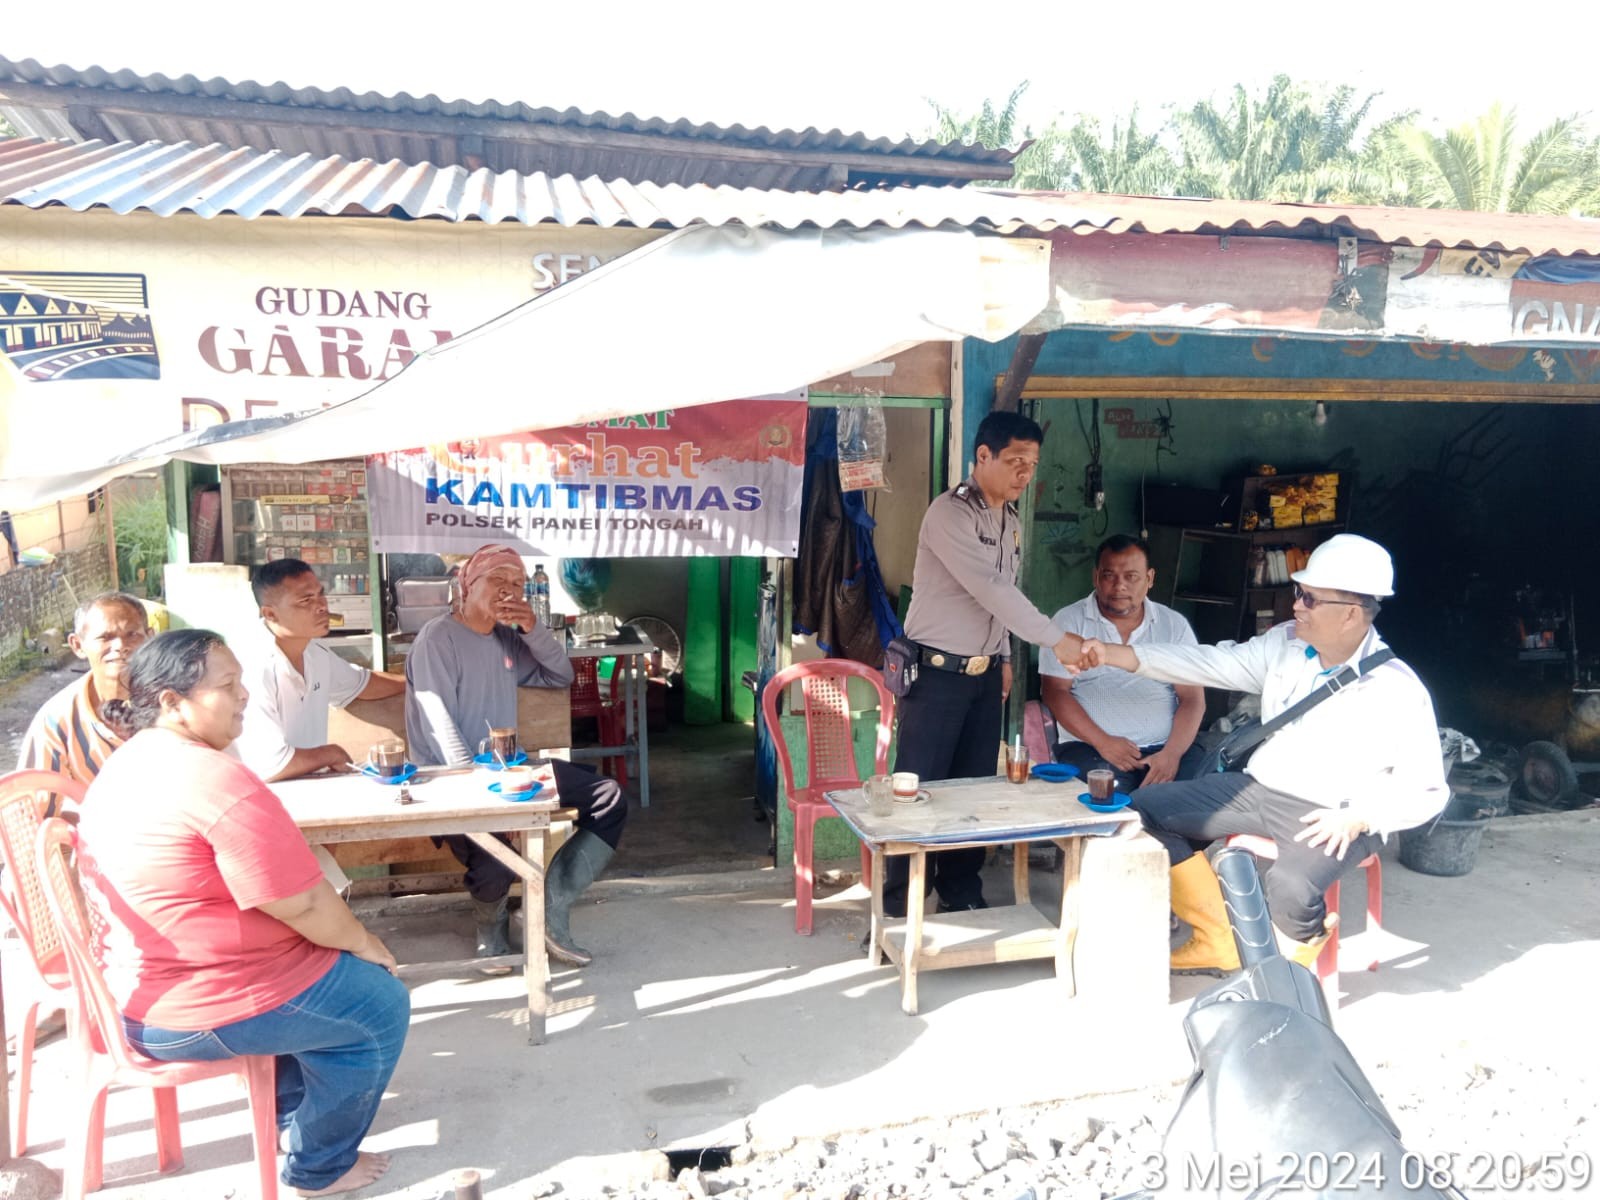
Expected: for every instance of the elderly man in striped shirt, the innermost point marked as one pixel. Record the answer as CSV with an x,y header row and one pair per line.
x,y
67,735
1140,728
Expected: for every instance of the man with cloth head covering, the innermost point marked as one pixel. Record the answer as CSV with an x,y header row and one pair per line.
x,y
1362,764
464,670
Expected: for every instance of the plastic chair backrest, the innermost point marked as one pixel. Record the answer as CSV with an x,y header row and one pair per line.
x,y
585,693
830,740
23,799
78,924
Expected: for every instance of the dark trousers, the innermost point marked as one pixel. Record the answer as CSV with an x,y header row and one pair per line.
x,y
602,810
949,729
1186,816
1086,758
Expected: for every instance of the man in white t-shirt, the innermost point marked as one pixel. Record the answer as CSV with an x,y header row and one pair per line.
x,y
293,679
1142,729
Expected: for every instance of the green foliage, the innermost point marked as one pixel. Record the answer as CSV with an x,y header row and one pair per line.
x,y
1041,164
1297,143
1484,166
1129,161
141,529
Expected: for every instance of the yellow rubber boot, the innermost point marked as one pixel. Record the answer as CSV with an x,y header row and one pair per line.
x,y
1197,898
1306,953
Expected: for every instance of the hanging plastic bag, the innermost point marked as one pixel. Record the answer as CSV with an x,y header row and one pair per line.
x,y
863,447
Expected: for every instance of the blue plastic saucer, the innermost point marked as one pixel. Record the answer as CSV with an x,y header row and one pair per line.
x,y
493,763
1055,772
406,773
1119,801
517,797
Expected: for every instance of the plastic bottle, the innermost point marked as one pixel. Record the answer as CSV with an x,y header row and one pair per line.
x,y
541,595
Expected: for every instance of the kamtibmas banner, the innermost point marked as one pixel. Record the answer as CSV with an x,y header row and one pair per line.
x,y
717,479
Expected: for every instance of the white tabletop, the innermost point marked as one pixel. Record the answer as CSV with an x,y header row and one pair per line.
x,y
355,807
980,810
629,642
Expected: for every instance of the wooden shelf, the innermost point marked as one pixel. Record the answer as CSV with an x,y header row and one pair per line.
x,y
1011,933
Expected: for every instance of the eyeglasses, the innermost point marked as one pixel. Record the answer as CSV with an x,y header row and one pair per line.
x,y
1305,598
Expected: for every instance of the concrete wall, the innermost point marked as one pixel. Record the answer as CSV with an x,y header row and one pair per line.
x,y
34,599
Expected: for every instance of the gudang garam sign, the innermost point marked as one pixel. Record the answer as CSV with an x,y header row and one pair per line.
x,y
718,479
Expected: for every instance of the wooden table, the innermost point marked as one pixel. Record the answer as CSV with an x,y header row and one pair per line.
x,y
976,812
631,649
354,808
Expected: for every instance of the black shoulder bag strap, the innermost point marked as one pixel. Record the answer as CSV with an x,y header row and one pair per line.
x,y
1336,683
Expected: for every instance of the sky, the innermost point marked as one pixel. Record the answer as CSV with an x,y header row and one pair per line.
x,y
859,65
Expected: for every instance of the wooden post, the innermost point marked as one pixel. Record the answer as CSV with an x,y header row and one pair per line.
x,y
111,539
1009,396
467,1184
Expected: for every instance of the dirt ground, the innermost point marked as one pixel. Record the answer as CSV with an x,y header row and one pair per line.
x,y
20,698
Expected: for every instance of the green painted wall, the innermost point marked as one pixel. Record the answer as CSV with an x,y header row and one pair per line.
x,y
834,840
1473,501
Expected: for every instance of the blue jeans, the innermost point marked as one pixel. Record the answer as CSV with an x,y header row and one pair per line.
x,y
336,1044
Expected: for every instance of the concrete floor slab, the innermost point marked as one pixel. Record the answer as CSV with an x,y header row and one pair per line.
x,y
704,1018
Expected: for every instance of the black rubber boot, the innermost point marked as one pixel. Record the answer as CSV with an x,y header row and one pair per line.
x,y
493,921
576,865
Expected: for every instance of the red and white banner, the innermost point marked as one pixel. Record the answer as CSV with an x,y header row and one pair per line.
x,y
718,479
1299,286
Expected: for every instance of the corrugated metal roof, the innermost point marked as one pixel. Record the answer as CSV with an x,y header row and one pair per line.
x,y
1512,233
124,106
211,180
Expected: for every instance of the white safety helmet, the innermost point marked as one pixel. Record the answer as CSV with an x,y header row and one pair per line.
x,y
1348,562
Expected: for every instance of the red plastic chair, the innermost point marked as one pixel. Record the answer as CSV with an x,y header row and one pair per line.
x,y
43,983
1328,959
610,718
106,1058
830,756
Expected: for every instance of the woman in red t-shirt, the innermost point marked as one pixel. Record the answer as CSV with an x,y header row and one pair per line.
x,y
221,936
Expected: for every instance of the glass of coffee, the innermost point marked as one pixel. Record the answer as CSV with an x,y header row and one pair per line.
x,y
387,757
501,742
1017,764
1100,785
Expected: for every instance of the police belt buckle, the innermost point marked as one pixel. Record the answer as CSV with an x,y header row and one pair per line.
x,y
978,664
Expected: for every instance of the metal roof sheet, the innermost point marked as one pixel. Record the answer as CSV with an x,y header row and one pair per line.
x,y
213,179
124,106
1512,233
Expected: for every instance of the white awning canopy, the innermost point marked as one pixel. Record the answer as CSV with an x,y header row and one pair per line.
x,y
700,315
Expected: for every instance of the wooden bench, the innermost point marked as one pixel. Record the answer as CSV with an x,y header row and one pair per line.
x,y
544,719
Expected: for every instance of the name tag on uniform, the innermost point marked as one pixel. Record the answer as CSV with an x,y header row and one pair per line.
x,y
987,541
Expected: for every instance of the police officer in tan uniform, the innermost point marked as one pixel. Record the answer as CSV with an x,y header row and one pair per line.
x,y
964,604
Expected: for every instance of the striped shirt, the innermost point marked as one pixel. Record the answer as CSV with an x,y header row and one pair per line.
x,y
67,735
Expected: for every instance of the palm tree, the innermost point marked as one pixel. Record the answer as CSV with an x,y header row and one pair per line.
x,y
1040,164
1483,166
1130,162
1285,145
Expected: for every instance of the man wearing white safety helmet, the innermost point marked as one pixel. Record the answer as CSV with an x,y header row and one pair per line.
x,y
1362,763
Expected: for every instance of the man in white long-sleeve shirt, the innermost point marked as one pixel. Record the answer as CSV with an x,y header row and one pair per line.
x,y
1361,765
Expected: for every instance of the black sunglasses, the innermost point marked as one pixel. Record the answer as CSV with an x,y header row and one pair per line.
x,y
1306,598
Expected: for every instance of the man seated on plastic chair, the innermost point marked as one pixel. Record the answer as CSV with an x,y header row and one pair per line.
x,y
463,673
1142,729
1362,764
